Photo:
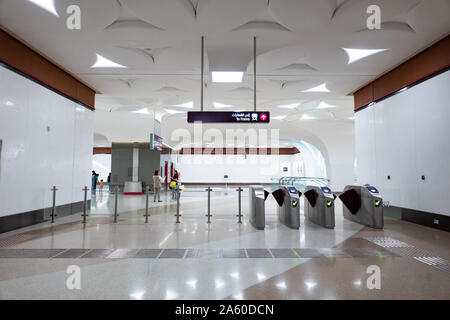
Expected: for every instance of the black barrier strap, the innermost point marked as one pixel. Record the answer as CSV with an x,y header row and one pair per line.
x,y
279,196
351,200
311,195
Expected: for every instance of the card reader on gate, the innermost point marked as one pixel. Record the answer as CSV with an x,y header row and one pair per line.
x,y
292,190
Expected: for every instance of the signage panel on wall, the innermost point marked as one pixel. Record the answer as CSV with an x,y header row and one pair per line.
x,y
155,142
229,117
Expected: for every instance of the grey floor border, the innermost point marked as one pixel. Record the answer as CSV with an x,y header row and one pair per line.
x,y
182,253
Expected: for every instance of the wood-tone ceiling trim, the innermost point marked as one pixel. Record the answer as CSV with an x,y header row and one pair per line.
x,y
422,66
20,58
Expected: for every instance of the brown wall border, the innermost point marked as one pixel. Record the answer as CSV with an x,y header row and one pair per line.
x,y
23,60
243,151
99,150
422,66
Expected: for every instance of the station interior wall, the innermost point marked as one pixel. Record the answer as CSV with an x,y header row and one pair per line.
x,y
47,141
404,137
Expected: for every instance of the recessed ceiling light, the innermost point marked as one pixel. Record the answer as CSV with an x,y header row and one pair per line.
x,y
102,62
173,111
138,295
48,5
192,283
357,54
187,105
9,103
289,106
278,117
324,105
351,118
218,105
142,111
310,284
321,88
227,77
307,117
171,295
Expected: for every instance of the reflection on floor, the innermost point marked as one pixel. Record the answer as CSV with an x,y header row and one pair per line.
x,y
160,259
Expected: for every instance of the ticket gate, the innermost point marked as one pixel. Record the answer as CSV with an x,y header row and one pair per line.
x,y
257,211
288,199
363,204
319,206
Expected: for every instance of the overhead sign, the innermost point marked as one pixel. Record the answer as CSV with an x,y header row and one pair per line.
x,y
155,142
229,117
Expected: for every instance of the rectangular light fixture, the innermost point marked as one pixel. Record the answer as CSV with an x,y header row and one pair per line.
x,y
227,77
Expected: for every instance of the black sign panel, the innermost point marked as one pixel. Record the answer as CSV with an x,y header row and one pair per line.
x,y
229,117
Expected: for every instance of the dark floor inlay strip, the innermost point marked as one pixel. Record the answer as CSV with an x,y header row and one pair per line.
x,y
259,253
172,254
71,254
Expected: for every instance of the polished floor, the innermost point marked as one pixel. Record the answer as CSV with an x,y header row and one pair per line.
x,y
161,259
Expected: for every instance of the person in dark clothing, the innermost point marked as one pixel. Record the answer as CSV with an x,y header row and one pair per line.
x,y
109,182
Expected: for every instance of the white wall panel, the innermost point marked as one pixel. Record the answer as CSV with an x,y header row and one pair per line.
x,y
431,102
47,140
252,169
365,146
407,136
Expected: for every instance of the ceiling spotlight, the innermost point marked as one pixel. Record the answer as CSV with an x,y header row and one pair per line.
x,y
227,77
279,117
218,105
321,88
142,111
187,105
138,295
357,54
102,62
170,111
289,106
47,5
324,105
307,117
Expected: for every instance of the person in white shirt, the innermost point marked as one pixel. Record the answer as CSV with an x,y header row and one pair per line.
x,y
157,180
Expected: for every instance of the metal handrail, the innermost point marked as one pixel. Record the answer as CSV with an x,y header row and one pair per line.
x,y
291,180
300,182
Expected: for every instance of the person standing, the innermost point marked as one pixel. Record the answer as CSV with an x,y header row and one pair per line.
x,y
157,182
109,182
93,181
174,185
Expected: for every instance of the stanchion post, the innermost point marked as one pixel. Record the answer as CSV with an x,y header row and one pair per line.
x,y
115,204
239,215
147,191
178,203
209,205
53,215
84,215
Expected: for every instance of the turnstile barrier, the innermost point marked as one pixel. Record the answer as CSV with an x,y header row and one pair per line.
x,y
363,204
288,199
319,206
257,207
